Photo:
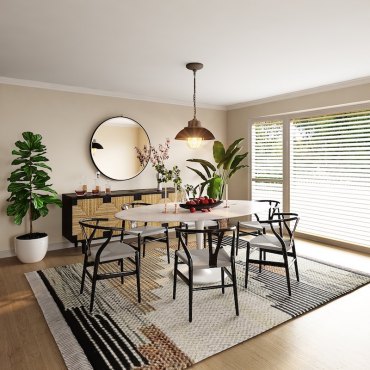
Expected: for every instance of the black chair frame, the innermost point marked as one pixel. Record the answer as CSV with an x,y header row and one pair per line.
x,y
108,233
212,235
143,240
282,223
274,208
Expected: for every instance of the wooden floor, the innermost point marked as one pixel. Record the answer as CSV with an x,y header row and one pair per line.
x,y
336,336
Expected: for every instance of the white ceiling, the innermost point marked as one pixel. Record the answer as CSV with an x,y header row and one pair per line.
x,y
251,49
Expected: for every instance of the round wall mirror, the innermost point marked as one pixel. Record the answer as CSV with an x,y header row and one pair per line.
x,y
112,147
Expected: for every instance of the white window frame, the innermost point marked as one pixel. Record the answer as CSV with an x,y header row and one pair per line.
x,y
286,119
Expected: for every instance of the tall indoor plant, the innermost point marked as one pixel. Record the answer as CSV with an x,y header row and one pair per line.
x,y
30,194
217,176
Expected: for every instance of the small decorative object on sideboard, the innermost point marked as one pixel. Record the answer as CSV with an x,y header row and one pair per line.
x,y
81,190
108,188
96,189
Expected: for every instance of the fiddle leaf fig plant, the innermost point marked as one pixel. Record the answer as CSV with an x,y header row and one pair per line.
x,y
30,192
228,162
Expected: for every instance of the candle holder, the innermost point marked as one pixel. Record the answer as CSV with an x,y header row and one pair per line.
x,y
165,208
165,198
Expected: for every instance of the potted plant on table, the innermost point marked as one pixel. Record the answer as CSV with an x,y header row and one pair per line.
x,y
216,176
30,194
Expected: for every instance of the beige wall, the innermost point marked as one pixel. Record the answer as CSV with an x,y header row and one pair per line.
x,y
66,121
239,119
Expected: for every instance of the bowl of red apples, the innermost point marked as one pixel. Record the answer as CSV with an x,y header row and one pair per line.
x,y
203,204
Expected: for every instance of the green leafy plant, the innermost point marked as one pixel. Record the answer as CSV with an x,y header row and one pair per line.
x,y
30,192
172,175
228,162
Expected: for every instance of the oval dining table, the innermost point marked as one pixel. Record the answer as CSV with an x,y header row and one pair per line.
x,y
155,213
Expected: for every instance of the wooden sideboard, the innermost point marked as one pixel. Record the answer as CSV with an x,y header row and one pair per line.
x,y
76,208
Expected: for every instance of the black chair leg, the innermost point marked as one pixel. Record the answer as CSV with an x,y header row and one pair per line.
x,y
137,263
190,294
223,280
144,245
296,268
83,275
235,288
295,263
139,248
246,265
168,246
237,239
186,235
121,264
175,277
94,278
260,265
286,263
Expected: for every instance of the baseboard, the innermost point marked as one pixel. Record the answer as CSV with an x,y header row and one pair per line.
x,y
60,245
51,247
7,253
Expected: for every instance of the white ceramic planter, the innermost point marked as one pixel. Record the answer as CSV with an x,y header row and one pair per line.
x,y
31,250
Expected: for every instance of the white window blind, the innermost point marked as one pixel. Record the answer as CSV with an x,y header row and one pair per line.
x,y
330,176
267,160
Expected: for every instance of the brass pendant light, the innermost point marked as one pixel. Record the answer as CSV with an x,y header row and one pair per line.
x,y
194,133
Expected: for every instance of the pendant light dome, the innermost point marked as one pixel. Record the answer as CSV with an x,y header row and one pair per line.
x,y
194,133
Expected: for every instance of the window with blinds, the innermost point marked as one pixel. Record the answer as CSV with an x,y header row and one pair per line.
x,y
267,160
330,175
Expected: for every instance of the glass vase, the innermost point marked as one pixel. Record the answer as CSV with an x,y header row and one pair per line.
x,y
226,196
159,181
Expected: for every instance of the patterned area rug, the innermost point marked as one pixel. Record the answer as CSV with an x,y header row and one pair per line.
x,y
156,334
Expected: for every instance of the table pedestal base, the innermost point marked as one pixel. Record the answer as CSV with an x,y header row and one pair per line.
x,y
202,276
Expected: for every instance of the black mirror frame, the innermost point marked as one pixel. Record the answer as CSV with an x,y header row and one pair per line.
x,y
92,158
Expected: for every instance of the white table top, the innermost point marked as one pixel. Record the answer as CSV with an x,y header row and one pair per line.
x,y
154,212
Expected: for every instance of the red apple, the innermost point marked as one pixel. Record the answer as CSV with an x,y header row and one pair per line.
x,y
192,210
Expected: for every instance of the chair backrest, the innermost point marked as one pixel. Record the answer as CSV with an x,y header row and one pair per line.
x,y
215,240
287,224
134,204
89,226
273,208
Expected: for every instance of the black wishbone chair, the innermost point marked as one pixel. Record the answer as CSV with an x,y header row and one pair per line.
x,y
279,242
258,226
212,257
105,252
146,233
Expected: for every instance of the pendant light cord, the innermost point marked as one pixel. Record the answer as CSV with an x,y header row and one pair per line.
x,y
195,107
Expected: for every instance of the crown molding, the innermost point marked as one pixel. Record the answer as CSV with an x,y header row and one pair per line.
x,y
111,94
115,94
296,94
